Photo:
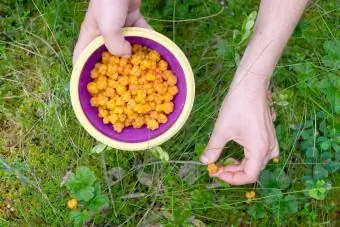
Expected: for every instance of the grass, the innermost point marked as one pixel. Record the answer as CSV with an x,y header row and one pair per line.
x,y
41,140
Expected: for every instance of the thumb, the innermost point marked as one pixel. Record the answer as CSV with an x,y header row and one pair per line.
x,y
214,148
116,43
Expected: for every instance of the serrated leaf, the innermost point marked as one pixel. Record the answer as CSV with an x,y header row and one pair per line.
x,y
256,211
79,218
158,152
319,190
312,152
99,148
80,184
97,202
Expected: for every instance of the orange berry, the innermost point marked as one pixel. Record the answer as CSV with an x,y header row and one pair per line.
x,y
168,97
131,104
212,168
162,118
118,127
111,104
118,110
120,89
113,118
168,107
152,124
92,88
154,55
122,117
102,100
153,115
72,204
94,101
103,113
106,120
126,96
173,90
109,92
162,65
150,76
123,61
102,83
112,83
138,122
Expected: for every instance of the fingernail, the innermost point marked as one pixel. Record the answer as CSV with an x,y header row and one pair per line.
x,y
204,160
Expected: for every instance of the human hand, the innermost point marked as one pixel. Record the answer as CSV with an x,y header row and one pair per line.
x,y
245,118
107,18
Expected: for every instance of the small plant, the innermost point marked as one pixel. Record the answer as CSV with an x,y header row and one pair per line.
x,y
320,145
84,188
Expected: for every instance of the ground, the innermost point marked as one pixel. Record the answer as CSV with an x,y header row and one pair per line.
x,y
42,144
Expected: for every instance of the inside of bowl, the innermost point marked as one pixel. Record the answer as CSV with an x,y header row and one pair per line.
x,y
130,134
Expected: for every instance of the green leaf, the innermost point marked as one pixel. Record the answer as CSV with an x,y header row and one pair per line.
x,y
272,195
79,218
332,59
325,145
247,26
99,148
319,172
257,211
96,203
158,152
312,152
318,190
80,184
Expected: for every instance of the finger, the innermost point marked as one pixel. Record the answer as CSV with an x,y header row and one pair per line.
x,y
247,175
136,19
87,33
111,24
141,22
276,151
116,43
214,148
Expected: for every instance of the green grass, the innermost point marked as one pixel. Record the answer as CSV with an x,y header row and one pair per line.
x,y
41,140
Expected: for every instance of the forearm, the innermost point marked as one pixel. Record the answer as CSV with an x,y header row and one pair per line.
x,y
275,23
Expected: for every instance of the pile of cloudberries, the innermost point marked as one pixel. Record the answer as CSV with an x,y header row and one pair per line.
x,y
133,91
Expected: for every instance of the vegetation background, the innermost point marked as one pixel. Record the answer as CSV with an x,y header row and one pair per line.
x,y
41,142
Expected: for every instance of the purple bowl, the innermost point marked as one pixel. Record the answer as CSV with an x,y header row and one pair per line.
x,y
129,134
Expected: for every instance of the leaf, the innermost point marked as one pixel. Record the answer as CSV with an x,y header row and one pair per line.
x,y
312,153
79,218
158,152
80,184
257,211
97,202
291,204
319,172
247,26
99,148
272,195
325,145
317,190
332,59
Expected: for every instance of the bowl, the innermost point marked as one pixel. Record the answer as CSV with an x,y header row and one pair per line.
x,y
130,138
